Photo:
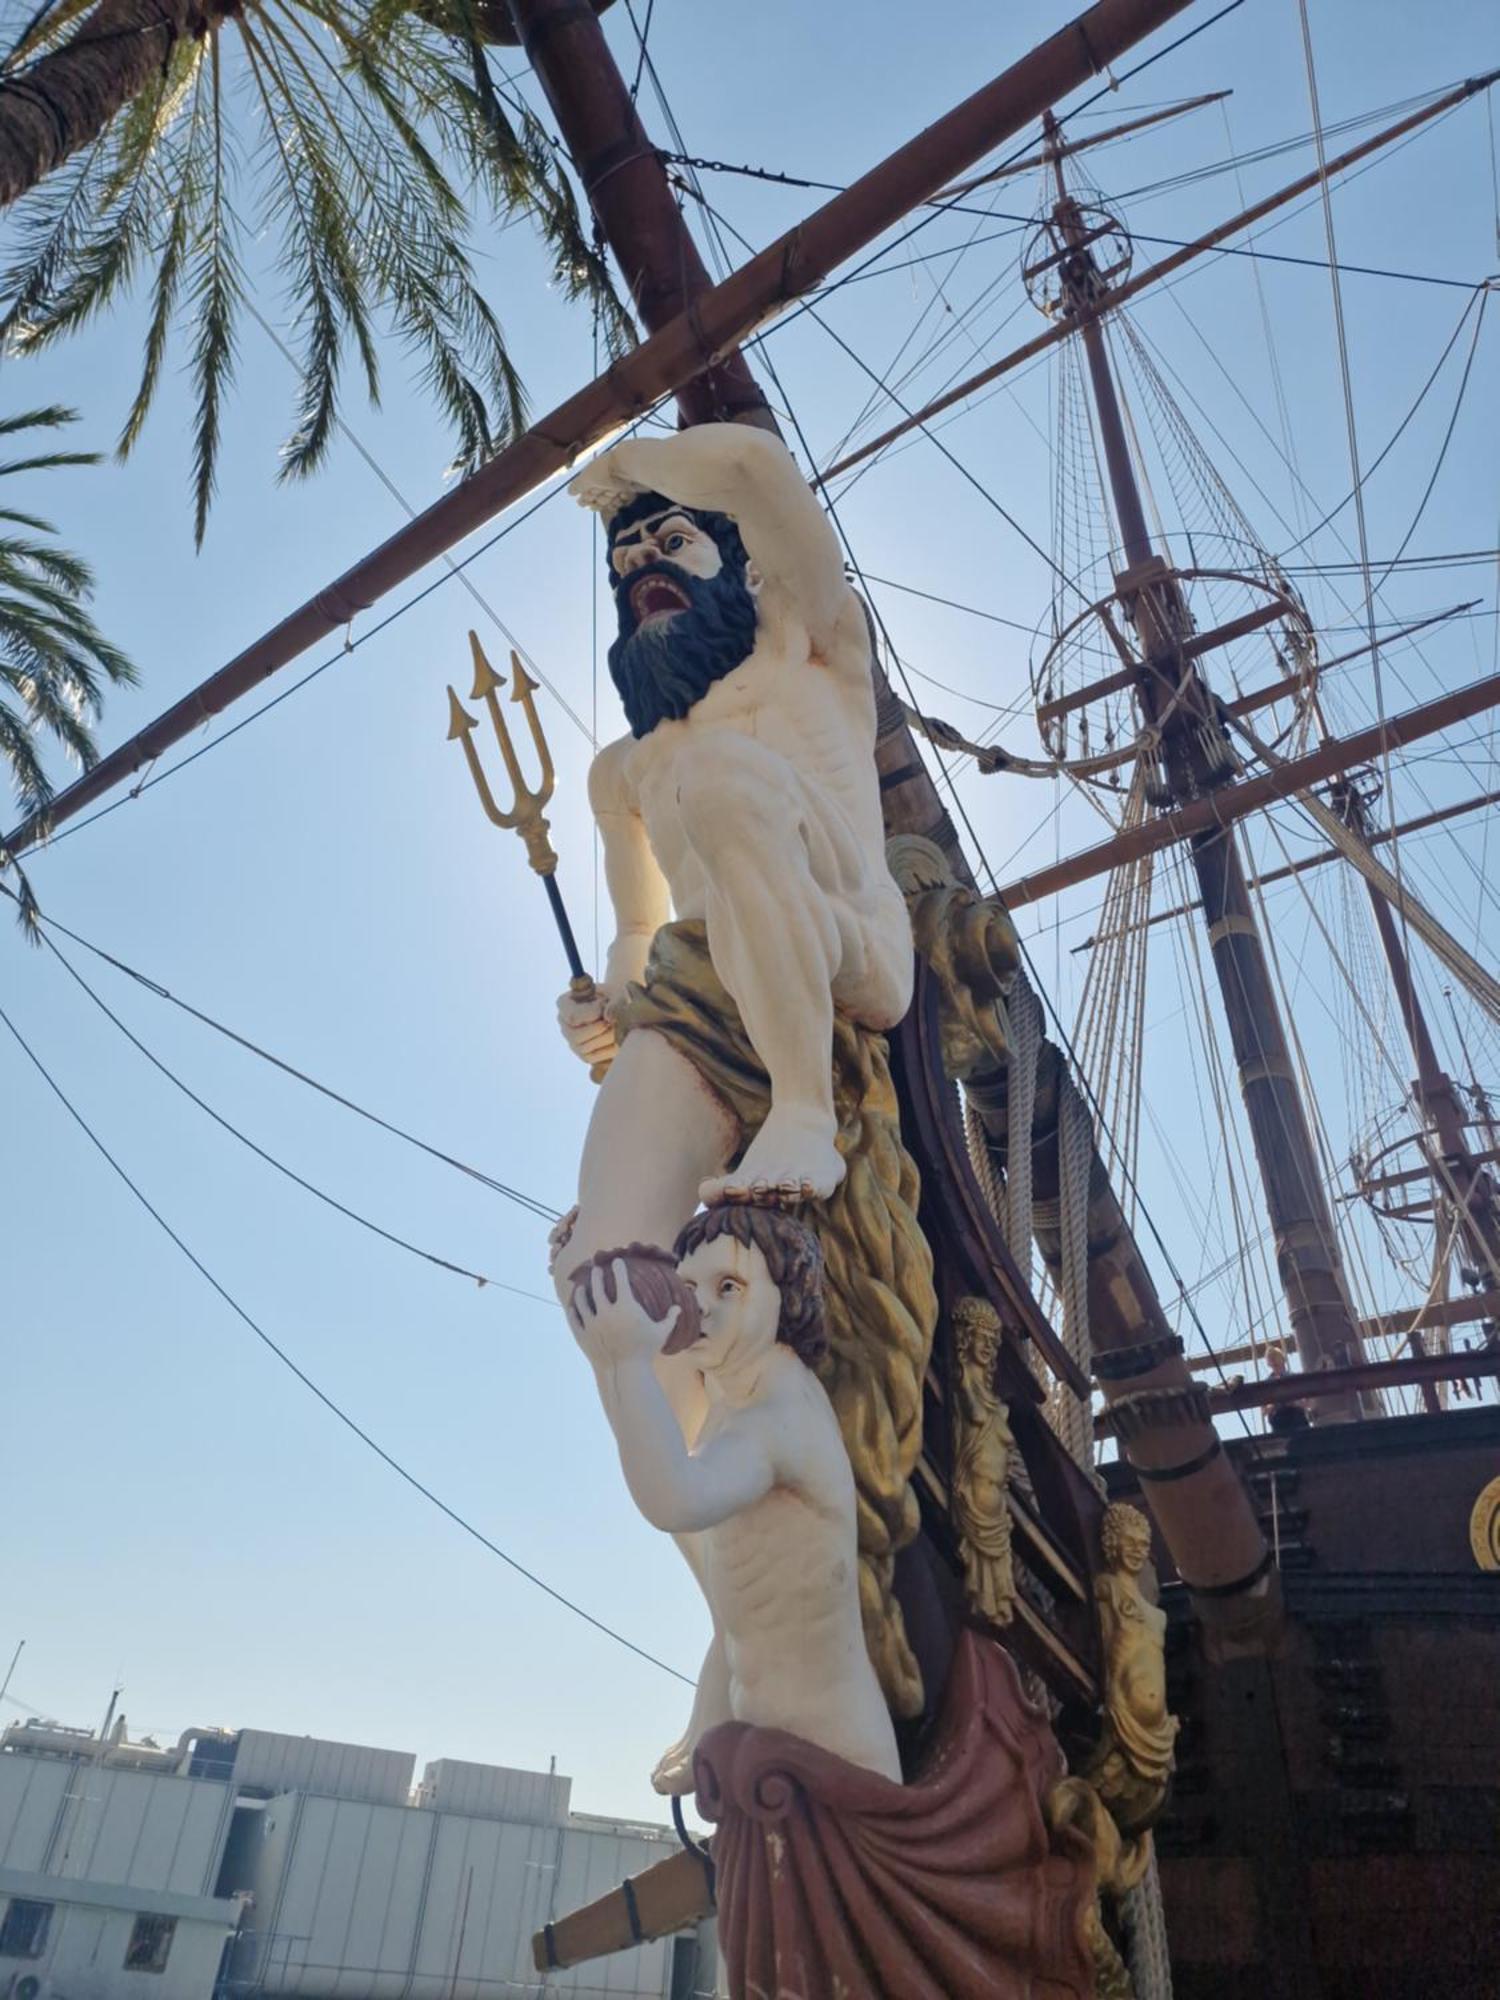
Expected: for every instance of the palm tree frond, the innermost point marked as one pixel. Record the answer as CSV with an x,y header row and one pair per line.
x,y
53,658
33,521
367,131
216,292
28,909
47,27
33,788
50,461
49,418
182,222
68,572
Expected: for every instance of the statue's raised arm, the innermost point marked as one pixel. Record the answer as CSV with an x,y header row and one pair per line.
x,y
750,477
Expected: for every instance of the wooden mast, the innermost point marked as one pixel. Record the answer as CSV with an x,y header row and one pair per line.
x,y
1459,1180
1196,761
629,194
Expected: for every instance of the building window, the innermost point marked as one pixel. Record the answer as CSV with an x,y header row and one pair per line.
x,y
23,1934
150,1941
685,1966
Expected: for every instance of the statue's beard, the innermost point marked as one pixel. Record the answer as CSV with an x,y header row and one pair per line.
x,y
663,668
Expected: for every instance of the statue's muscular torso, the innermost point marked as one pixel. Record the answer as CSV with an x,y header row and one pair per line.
x,y
816,717
783,1582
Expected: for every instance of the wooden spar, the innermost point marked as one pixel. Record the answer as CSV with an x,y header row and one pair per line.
x,y
669,1896
1447,1312
717,321
1247,704
1411,1370
1384,1183
1421,1370
1071,146
1300,867
1154,273
1189,649
1386,1326
1222,808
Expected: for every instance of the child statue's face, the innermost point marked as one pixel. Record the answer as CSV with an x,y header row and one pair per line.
x,y
738,1304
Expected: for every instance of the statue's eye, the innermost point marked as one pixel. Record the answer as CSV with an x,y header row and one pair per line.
x,y
674,543
728,1287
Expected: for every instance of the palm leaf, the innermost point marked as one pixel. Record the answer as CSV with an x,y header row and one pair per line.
x,y
47,26
29,779
51,417
215,293
54,661
354,134
184,208
108,255
49,461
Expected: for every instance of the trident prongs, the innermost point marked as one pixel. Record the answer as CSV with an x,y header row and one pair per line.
x,y
525,815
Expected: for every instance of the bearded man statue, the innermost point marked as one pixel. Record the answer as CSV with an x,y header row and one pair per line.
x,y
746,796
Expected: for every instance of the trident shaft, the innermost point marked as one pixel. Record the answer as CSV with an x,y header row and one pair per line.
x,y
525,815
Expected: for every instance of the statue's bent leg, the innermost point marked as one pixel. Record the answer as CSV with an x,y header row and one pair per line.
x,y
656,1131
774,937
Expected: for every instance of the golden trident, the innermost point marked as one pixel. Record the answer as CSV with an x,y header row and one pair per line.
x,y
525,815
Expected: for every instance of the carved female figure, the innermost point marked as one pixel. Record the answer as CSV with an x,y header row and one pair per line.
x,y
1134,1760
981,1464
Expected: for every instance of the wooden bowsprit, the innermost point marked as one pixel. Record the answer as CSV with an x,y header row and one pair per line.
x,y
526,815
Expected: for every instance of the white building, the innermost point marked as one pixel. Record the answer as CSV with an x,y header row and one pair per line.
x,y
242,1863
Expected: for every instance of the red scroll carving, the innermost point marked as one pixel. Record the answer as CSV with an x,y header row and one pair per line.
x,y
835,1882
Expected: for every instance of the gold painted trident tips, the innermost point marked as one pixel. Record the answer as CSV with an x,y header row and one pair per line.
x,y
525,815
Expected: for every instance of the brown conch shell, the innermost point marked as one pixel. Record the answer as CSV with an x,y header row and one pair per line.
x,y
653,1277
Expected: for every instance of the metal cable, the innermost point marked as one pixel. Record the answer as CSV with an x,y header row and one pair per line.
x,y
308,1383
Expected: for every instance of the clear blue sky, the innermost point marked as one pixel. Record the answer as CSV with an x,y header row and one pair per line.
x,y
180,1515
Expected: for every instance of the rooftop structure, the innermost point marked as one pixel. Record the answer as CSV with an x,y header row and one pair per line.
x,y
249,1862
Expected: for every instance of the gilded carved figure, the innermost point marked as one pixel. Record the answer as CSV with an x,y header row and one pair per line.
x,y
982,1451
1133,1762
1119,1865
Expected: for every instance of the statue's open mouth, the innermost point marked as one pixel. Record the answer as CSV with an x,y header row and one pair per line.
x,y
656,597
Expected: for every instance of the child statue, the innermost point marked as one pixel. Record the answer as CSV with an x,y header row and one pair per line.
x,y
762,1497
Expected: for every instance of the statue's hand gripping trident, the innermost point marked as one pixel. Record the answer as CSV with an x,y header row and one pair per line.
x,y
526,815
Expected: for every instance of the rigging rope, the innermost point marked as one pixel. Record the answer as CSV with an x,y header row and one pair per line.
x,y
1145,1920
1070,1415
282,1355
1026,1026
1441,1169
1471,975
